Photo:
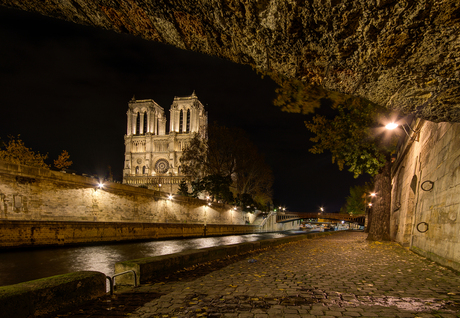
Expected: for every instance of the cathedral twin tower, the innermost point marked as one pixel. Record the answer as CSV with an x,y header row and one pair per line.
x,y
151,154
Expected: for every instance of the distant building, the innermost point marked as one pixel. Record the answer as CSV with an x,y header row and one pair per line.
x,y
152,154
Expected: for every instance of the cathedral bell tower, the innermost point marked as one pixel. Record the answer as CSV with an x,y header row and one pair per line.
x,y
152,155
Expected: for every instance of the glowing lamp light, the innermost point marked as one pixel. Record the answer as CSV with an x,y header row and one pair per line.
x,y
373,194
209,203
370,204
170,197
391,126
100,185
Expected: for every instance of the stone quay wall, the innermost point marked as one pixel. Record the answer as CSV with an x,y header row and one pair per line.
x,y
45,204
46,233
425,213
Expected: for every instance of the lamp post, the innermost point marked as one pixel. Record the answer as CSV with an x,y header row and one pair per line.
x,y
369,212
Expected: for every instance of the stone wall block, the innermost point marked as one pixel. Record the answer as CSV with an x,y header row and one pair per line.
x,y
440,206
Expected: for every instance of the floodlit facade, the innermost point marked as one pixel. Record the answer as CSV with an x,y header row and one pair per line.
x,y
151,153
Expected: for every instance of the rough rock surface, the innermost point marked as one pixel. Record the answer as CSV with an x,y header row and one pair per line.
x,y
403,54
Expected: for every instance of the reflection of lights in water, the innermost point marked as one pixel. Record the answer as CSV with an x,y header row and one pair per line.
x,y
167,247
96,258
17,266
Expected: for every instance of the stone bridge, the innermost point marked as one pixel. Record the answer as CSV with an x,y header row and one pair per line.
x,y
404,55
291,216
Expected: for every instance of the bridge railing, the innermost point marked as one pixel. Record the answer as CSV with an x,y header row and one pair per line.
x,y
290,216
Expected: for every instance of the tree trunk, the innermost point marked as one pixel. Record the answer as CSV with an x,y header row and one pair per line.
x,y
379,229
369,219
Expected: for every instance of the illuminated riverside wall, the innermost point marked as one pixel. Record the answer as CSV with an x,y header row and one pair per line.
x,y
425,213
43,198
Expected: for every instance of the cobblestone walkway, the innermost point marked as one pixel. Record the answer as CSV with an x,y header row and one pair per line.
x,y
340,275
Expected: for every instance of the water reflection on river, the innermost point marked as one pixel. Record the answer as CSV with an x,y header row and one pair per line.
x,y
24,265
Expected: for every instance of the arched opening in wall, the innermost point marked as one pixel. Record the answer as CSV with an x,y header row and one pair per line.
x,y
413,184
145,122
137,169
143,170
410,212
138,123
181,121
188,120
396,204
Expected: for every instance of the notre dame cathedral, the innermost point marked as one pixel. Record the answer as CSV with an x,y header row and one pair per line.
x,y
151,153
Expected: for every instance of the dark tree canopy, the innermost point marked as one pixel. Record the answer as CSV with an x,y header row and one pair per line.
x,y
351,137
227,165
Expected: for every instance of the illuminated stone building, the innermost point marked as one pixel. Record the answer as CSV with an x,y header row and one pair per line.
x,y
151,153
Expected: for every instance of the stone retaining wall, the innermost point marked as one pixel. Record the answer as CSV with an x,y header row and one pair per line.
x,y
28,193
425,211
43,233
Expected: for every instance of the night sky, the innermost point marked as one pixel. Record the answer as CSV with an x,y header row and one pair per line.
x,y
66,86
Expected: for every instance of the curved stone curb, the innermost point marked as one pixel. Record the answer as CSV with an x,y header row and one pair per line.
x,y
149,268
42,296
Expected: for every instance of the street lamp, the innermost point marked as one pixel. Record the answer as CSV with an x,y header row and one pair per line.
x,y
393,125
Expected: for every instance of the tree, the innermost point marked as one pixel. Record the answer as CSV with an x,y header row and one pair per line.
x,y
183,188
350,138
357,200
217,186
193,159
353,142
63,162
254,176
227,161
16,152
296,96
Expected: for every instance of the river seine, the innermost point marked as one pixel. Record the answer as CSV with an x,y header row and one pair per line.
x,y
23,265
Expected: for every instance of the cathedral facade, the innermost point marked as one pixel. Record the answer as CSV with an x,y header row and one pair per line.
x,y
151,152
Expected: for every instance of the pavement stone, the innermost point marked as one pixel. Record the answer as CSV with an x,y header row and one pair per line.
x,y
339,275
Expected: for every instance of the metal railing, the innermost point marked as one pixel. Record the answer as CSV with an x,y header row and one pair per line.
x,y
112,279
